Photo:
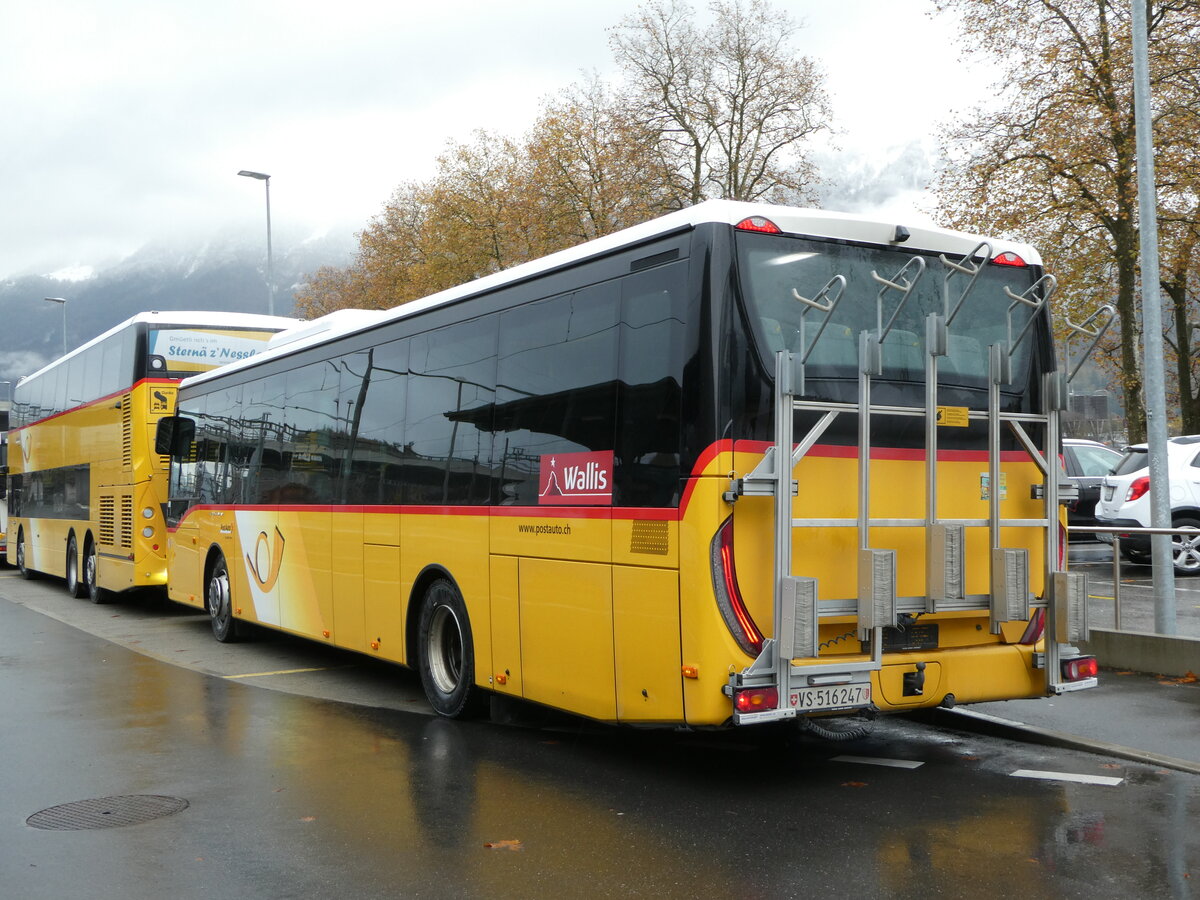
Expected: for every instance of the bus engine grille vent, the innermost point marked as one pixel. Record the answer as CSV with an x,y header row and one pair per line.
x,y
108,520
127,432
650,537
125,533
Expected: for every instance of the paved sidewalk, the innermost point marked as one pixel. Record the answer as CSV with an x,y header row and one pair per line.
x,y
1149,718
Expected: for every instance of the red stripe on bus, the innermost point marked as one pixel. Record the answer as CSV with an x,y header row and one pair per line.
x,y
620,513
663,514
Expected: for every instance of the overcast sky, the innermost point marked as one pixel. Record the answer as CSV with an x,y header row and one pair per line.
x,y
126,121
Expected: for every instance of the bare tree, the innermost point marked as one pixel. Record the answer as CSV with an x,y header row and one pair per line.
x,y
733,104
1056,163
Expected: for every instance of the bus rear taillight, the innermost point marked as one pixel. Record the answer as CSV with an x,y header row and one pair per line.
x,y
756,700
729,596
1008,258
1035,628
758,223
1080,668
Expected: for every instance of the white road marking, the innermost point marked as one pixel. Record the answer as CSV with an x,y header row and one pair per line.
x,y
276,672
1106,780
878,761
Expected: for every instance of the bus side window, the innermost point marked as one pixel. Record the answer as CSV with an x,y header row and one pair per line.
x,y
448,421
373,396
555,385
652,336
309,416
93,363
75,383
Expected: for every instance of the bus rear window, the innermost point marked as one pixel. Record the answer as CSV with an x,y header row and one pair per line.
x,y
772,267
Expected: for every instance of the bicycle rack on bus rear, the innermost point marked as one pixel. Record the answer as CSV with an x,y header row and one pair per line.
x,y
796,605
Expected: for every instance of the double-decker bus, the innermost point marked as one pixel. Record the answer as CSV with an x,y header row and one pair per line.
x,y
5,407
739,464
86,489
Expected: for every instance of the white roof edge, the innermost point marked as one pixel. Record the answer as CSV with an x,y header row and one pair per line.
x,y
790,219
338,321
181,317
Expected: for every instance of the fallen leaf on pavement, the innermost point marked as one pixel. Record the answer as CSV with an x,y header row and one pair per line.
x,y
1189,678
854,784
504,845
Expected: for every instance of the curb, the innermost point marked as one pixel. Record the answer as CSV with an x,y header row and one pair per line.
x,y
968,720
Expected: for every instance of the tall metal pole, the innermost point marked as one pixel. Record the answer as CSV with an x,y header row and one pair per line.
x,y
270,262
266,179
61,301
1152,338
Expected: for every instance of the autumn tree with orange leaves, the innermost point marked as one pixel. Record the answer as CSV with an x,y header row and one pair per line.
x,y
719,111
1055,161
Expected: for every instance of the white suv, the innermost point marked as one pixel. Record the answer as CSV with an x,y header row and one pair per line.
x,y
1125,501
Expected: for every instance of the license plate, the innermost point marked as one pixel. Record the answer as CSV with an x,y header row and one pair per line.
x,y
1109,490
840,696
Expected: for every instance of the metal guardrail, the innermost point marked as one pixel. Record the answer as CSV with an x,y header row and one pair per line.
x,y
1116,545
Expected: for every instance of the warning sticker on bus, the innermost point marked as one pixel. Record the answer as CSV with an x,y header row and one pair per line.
x,y
576,479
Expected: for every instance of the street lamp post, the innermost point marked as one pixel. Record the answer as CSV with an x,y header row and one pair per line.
x,y
61,301
266,180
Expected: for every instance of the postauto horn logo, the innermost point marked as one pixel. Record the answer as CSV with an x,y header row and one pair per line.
x,y
576,479
268,556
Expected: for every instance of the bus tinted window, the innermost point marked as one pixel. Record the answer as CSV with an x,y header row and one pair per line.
x,y
647,471
262,428
310,416
373,390
76,382
216,431
451,391
116,371
556,384
773,267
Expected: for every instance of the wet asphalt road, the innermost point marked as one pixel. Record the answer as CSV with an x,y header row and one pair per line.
x,y
295,796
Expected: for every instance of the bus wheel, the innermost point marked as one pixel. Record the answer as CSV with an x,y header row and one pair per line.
x,y
91,575
446,653
75,587
220,604
25,571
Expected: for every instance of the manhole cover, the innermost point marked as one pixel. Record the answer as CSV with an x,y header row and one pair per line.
x,y
106,812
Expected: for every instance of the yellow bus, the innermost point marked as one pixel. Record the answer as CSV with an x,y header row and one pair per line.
x,y
733,465
5,407
86,489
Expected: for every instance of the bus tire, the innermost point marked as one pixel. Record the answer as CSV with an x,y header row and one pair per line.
x,y
24,569
218,600
91,574
75,586
446,653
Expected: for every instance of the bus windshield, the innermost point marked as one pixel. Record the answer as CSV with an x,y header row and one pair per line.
x,y
176,352
772,267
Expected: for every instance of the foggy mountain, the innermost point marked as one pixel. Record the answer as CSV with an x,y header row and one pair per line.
x,y
222,274
228,272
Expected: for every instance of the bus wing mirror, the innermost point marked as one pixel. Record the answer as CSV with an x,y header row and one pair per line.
x,y
174,435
